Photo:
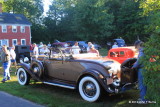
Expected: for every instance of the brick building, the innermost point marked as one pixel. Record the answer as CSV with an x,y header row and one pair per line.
x,y
15,29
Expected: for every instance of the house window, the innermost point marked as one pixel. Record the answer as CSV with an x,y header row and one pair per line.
x,y
14,41
22,29
4,28
14,28
23,42
4,42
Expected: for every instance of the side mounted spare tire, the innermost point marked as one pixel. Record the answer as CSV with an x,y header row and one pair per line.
x,y
37,68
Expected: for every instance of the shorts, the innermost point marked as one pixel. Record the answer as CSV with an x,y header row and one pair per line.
x,y
13,60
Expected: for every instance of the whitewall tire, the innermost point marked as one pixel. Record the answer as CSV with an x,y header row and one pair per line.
x,y
89,89
23,77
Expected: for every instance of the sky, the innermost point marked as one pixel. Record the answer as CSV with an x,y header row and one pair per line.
x,y
46,5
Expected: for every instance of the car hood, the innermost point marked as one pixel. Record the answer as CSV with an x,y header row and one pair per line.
x,y
108,63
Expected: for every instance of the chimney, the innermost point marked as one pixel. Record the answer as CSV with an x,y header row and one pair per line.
x,y
0,7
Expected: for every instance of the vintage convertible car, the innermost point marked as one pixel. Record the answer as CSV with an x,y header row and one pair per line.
x,y
86,72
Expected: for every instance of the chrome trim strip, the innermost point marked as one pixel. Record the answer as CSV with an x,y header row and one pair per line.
x,y
60,85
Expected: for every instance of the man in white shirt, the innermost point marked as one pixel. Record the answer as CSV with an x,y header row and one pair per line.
x,y
115,45
13,56
35,51
41,45
75,48
44,50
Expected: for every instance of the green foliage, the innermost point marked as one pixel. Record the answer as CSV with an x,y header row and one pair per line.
x,y
30,8
152,50
92,21
151,76
129,24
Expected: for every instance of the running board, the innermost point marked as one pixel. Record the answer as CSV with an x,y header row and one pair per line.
x,y
60,85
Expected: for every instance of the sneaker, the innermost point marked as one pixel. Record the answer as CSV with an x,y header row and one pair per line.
x,y
4,80
8,78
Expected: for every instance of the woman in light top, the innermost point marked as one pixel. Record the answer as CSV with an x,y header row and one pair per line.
x,y
93,50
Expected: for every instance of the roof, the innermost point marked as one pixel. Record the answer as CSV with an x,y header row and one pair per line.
x,y
124,48
10,18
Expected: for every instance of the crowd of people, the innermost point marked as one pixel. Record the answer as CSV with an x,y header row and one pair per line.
x,y
75,49
8,57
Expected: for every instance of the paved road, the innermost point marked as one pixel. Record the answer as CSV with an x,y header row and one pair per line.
x,y
7,100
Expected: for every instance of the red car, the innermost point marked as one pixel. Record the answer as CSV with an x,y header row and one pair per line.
x,y
122,53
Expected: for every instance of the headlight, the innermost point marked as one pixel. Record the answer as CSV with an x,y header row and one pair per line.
x,y
26,59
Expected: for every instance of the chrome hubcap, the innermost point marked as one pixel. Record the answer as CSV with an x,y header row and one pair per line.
x,y
22,76
89,89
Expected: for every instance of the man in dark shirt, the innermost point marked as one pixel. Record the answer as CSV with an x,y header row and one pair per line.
x,y
139,66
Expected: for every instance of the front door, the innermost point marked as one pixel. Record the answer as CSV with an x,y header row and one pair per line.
x,y
67,70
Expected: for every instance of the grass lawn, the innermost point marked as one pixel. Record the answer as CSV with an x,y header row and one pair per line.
x,y
52,96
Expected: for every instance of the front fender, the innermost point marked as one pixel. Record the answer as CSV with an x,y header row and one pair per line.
x,y
98,76
28,70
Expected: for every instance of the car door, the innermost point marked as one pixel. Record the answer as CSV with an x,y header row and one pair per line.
x,y
72,69
54,66
67,69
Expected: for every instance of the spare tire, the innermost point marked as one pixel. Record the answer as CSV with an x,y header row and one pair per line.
x,y
37,68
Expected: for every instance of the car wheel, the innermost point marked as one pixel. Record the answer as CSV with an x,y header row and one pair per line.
x,y
89,89
23,77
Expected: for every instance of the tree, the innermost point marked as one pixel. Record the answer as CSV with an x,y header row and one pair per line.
x,y
32,9
128,22
92,21
151,8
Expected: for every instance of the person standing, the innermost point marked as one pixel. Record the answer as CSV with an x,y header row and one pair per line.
x,y
40,46
5,59
138,65
75,48
49,45
89,46
44,50
93,50
115,45
13,56
109,45
35,51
